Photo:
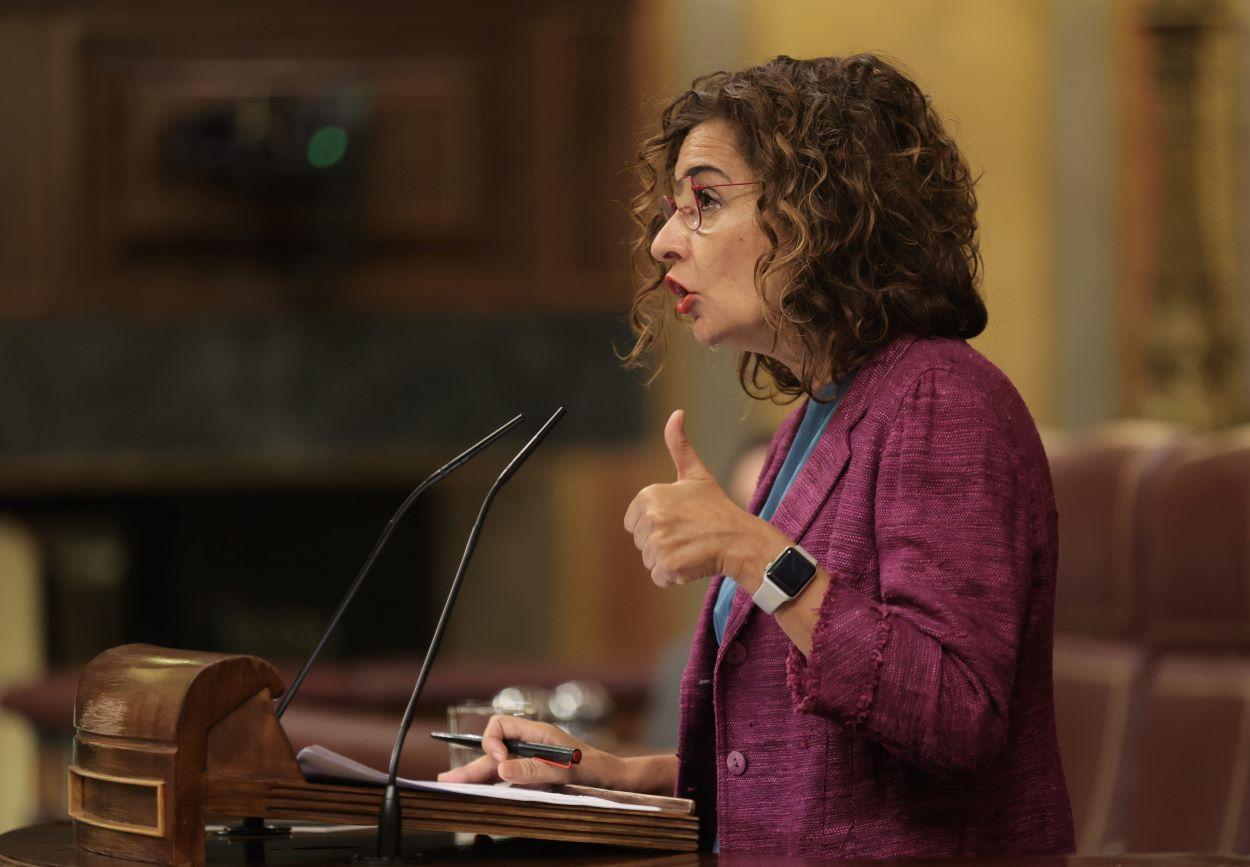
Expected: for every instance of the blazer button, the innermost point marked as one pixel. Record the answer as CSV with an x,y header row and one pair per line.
x,y
736,653
737,763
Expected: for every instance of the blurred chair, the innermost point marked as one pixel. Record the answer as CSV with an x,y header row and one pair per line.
x,y
1098,482
1194,548
21,656
1193,758
1098,695
659,722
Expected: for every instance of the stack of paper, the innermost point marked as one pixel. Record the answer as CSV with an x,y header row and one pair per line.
x,y
349,791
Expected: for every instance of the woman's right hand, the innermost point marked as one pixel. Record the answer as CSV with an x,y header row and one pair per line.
x,y
596,768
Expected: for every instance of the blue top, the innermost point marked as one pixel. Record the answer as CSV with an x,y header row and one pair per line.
x,y
805,439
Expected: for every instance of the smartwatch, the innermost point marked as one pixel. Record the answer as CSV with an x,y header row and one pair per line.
x,y
785,578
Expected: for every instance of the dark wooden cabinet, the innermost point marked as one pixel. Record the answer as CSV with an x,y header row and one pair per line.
x,y
378,157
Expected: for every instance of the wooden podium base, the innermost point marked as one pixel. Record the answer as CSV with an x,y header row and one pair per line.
x,y
52,845
167,741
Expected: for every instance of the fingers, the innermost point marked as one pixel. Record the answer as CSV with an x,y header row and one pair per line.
x,y
496,765
485,769
637,509
632,514
480,770
520,728
503,725
533,771
648,556
642,532
685,458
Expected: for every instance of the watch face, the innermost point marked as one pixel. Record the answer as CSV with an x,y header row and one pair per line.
x,y
791,572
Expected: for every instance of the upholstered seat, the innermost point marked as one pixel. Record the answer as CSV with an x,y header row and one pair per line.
x,y
1098,695
1098,489
1193,758
1194,532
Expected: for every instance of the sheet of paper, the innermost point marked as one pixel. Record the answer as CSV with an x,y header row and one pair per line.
x,y
320,764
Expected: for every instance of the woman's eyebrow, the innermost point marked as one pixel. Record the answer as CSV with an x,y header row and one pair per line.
x,y
695,171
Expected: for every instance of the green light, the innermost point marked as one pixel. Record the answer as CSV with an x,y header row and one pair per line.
x,y
327,146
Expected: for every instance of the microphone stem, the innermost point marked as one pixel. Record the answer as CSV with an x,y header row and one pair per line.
x,y
443,619
448,468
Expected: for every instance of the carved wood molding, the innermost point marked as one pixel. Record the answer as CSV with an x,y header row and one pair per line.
x,y
1184,365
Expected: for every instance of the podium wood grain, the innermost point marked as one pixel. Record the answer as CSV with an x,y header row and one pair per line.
x,y
167,739
52,845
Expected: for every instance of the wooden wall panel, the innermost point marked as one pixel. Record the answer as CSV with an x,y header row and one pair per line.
x,y
491,175
22,193
582,154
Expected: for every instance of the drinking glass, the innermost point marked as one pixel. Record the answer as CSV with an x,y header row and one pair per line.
x,y
471,717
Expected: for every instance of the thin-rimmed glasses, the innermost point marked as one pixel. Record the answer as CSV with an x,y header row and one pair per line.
x,y
687,199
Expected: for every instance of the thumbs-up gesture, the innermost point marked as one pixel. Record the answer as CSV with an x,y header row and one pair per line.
x,y
688,529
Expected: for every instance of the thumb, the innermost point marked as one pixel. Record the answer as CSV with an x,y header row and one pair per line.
x,y
685,459
530,771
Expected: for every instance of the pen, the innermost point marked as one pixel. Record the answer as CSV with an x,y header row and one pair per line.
x,y
563,757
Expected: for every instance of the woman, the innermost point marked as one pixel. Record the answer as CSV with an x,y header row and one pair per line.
x,y
875,678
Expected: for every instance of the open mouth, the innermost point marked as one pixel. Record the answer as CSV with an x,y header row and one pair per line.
x,y
685,298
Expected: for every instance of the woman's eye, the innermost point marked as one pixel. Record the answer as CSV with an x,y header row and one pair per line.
x,y
707,200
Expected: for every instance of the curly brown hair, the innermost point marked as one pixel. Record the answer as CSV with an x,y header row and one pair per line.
x,y
866,200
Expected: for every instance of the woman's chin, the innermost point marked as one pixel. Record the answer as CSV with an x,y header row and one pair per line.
x,y
710,337
705,335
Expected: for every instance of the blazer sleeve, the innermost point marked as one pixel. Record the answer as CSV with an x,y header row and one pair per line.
x,y
928,670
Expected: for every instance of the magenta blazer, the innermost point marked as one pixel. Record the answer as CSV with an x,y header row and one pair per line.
x,y
923,724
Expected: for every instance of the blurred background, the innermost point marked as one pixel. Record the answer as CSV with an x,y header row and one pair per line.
x,y
264,266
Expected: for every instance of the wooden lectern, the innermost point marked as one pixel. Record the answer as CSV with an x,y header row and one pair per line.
x,y
167,738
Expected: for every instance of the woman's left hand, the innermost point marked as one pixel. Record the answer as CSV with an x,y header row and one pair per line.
x,y
688,529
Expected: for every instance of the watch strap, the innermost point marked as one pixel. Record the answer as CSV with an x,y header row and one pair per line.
x,y
769,597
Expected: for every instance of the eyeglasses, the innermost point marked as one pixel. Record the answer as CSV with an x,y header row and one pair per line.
x,y
691,200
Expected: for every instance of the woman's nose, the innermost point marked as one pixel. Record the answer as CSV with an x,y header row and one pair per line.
x,y
671,242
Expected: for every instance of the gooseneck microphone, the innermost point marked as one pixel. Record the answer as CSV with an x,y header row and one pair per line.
x,y
390,818
443,471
